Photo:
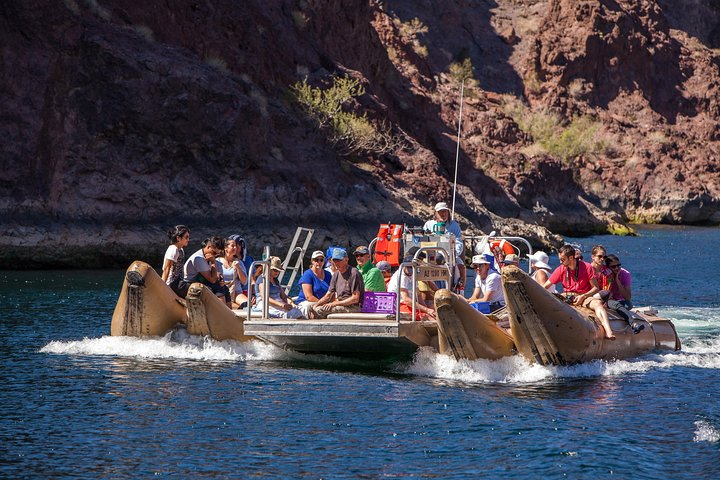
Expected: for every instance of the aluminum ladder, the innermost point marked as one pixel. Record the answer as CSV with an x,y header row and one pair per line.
x,y
293,266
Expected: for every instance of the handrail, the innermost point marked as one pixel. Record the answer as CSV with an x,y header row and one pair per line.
x,y
426,266
473,238
266,287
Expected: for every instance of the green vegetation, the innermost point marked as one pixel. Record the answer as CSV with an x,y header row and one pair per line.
x,y
217,62
621,230
463,71
347,131
547,130
300,19
409,32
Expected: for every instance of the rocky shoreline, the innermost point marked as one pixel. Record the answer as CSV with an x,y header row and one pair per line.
x,y
122,119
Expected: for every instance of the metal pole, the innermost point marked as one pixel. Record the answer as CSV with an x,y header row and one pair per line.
x,y
457,150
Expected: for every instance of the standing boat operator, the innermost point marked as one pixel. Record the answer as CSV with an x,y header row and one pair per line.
x,y
442,223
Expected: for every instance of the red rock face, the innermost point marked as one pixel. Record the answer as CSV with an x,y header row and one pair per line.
x,y
121,119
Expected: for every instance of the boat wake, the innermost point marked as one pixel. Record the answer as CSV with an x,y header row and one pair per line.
x,y
699,331
176,344
701,349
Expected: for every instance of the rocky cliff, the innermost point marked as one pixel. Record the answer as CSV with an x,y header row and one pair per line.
x,y
121,119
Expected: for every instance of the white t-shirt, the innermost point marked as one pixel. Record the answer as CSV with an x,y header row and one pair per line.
x,y
493,283
196,264
405,282
175,255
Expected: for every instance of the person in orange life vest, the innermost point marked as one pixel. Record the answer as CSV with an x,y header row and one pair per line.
x,y
580,284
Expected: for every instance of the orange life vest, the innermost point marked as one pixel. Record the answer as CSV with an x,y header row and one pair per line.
x,y
389,243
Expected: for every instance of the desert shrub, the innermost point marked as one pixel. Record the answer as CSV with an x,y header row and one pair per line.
x,y
462,71
412,28
579,137
420,49
329,108
300,19
217,63
575,140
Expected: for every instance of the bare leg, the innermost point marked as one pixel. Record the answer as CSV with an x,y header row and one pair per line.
x,y
601,313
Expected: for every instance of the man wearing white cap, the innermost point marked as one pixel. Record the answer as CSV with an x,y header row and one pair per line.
x,y
442,223
541,270
488,284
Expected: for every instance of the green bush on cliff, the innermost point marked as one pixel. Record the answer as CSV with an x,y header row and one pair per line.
x,y
463,72
546,128
348,132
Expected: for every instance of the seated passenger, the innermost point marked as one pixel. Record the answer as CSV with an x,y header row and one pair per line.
x,y
541,270
244,257
488,284
619,286
345,294
234,272
386,270
511,259
597,260
619,282
172,272
372,277
314,283
202,267
401,284
280,306
579,285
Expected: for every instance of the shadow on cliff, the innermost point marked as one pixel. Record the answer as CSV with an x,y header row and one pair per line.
x,y
457,30
622,62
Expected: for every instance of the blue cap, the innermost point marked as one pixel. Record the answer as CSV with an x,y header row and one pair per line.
x,y
339,254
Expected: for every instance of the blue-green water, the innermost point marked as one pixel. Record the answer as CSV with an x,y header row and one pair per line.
x,y
78,403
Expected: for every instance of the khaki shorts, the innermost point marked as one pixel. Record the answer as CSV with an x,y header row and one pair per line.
x,y
586,303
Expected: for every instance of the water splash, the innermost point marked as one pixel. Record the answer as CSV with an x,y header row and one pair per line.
x,y
174,345
705,432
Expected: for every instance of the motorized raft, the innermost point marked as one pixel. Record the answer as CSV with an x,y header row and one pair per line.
x,y
148,307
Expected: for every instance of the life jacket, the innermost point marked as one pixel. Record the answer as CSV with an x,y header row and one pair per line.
x,y
388,246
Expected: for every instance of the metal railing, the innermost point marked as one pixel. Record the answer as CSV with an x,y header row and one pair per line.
x,y
474,239
419,266
266,287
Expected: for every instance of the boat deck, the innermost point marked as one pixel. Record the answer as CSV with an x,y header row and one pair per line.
x,y
344,336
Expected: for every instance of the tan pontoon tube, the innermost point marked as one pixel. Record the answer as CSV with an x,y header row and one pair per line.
x,y
549,331
466,333
146,306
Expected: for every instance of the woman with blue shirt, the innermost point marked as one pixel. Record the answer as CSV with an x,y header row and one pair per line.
x,y
314,283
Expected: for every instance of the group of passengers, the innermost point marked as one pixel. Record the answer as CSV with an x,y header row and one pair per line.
x,y
223,266
595,285
333,285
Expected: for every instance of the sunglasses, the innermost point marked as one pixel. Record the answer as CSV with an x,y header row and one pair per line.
x,y
318,259
616,265
361,254
600,256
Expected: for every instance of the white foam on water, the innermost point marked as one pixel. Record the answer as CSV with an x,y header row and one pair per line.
x,y
705,432
174,345
693,320
515,369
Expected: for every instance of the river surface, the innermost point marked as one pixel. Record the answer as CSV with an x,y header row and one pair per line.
x,y
78,403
